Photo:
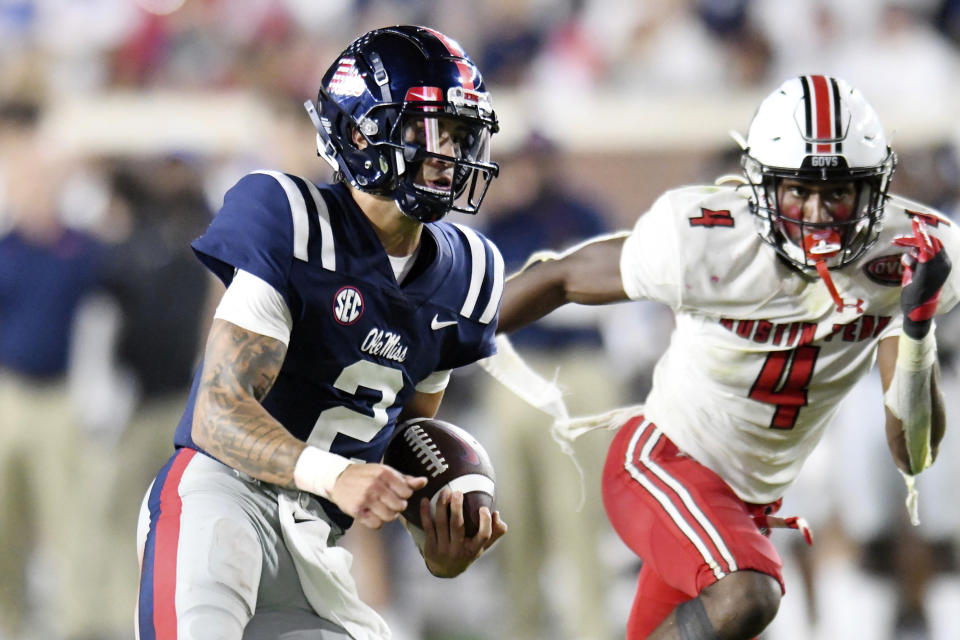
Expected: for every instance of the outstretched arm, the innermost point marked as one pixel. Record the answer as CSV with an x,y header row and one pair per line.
x,y
908,365
932,404
588,274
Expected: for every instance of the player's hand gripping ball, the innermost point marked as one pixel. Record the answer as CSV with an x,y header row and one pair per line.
x,y
450,458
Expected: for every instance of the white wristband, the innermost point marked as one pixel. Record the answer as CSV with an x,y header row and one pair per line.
x,y
908,397
317,471
916,355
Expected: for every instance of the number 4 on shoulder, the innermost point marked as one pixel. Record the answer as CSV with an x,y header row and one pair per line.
x,y
711,218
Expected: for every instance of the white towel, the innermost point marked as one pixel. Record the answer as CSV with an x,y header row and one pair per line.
x,y
510,369
325,573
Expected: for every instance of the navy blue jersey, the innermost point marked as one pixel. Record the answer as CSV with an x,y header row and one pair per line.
x,y
360,342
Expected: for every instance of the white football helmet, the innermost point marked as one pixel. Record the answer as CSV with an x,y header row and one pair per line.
x,y
818,128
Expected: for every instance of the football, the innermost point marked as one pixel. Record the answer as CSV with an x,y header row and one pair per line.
x,y
449,457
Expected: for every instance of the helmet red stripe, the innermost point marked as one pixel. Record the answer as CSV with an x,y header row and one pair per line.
x,y
466,75
824,107
451,45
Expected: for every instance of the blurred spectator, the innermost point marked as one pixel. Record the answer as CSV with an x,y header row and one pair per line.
x,y
904,45
685,47
746,48
947,19
515,33
856,38
870,573
46,271
509,54
555,571
158,293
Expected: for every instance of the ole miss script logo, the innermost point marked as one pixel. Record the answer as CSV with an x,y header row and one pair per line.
x,y
347,305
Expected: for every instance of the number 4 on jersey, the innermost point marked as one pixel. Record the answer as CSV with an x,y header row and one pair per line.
x,y
783,382
711,218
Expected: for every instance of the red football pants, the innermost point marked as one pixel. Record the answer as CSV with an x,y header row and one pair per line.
x,y
682,519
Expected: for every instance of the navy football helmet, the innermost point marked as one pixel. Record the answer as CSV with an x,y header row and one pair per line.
x,y
403,113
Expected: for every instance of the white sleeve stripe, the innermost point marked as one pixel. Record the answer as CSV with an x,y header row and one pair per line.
x,y
435,382
253,304
478,261
328,254
497,290
298,210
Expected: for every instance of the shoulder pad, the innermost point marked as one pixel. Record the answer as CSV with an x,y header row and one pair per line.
x,y
479,298
264,224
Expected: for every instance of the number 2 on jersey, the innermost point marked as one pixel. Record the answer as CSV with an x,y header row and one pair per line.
x,y
362,426
783,382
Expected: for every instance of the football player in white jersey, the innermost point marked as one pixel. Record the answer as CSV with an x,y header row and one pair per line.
x,y
347,306
787,285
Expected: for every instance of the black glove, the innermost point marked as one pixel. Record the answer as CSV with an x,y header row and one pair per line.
x,y
925,269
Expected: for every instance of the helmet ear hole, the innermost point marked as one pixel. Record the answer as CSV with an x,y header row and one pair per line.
x,y
357,138
751,168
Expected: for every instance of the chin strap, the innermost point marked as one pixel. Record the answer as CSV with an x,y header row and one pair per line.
x,y
827,280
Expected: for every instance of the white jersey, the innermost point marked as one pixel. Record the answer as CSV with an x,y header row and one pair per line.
x,y
761,357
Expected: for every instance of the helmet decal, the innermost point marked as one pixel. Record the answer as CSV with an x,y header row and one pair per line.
x,y
424,94
346,79
821,100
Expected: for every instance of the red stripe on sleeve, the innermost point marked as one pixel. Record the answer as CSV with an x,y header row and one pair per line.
x,y
165,557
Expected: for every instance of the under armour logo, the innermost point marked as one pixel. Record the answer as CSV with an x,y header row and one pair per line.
x,y
843,304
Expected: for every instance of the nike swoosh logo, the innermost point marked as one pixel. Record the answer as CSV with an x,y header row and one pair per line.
x,y
436,323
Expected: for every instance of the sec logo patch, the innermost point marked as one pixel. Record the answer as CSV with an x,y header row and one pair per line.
x,y
347,305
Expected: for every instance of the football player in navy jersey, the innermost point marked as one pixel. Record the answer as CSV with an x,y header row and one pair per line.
x,y
347,306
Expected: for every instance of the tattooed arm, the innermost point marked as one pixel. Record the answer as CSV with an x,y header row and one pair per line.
x,y
230,424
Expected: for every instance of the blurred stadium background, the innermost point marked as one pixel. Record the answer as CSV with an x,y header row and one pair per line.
x,y
148,110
